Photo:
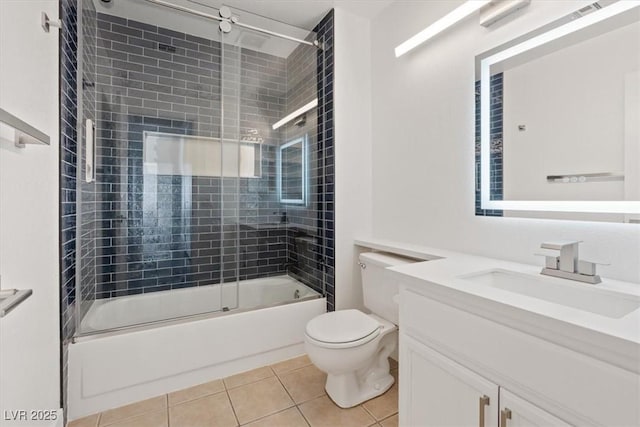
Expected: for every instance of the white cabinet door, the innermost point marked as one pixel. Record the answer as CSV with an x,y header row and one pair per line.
x,y
517,412
437,392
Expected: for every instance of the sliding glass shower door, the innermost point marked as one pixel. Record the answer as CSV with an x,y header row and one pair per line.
x,y
151,220
178,204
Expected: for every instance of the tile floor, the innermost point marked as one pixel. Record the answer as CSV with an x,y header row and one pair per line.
x,y
287,394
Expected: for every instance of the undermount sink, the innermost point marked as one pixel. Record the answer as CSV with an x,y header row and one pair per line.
x,y
585,297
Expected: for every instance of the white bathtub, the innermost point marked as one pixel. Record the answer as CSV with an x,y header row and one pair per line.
x,y
114,369
116,313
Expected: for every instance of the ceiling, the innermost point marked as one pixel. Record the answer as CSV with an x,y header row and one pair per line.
x,y
301,13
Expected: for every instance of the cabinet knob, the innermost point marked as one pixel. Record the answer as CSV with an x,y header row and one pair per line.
x,y
484,401
505,415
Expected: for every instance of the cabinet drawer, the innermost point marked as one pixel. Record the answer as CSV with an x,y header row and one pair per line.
x,y
577,388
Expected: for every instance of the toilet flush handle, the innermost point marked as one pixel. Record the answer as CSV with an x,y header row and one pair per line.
x,y
362,265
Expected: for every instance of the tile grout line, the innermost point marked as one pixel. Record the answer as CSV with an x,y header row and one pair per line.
x,y
166,398
295,405
250,382
285,389
129,417
233,408
269,415
367,411
385,419
303,416
197,397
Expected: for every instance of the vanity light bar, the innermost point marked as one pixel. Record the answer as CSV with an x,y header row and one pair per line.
x,y
440,25
313,104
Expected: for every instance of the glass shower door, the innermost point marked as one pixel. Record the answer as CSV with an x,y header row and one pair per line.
x,y
156,211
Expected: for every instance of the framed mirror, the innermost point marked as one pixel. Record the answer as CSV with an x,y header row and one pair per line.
x,y
558,119
292,171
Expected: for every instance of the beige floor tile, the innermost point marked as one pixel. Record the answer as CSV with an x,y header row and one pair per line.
x,y
132,410
390,422
150,419
322,411
209,411
248,377
288,418
259,399
305,383
384,405
195,392
291,364
90,421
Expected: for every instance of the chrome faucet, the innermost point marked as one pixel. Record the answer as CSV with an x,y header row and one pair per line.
x,y
568,264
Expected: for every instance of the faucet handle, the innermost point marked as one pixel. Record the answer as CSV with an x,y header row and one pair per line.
x,y
550,261
588,268
559,244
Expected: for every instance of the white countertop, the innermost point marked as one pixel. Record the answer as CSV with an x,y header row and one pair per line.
x,y
615,339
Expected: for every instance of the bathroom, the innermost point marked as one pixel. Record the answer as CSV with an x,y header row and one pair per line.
x,y
178,286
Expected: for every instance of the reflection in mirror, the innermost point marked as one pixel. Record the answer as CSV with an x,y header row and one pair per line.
x,y
292,171
559,119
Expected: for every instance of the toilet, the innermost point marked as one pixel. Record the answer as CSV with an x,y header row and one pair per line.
x,y
353,347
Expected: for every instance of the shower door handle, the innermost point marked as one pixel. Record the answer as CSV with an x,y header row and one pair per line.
x,y
90,151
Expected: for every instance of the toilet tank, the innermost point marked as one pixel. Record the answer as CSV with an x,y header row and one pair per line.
x,y
380,294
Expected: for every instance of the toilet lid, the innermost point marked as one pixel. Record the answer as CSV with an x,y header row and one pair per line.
x,y
341,326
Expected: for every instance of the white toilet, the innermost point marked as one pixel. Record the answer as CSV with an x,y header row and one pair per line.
x,y
353,347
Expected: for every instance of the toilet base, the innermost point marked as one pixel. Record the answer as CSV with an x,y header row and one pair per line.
x,y
347,392
352,388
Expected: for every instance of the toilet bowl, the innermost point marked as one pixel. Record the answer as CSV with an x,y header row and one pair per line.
x,y
353,347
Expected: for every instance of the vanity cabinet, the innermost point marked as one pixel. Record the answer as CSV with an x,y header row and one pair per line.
x,y
436,391
458,368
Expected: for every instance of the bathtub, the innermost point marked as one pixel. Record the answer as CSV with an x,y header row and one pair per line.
x,y
123,312
264,324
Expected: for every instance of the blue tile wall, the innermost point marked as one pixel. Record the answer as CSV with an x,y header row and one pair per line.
x,y
154,79
325,156
496,157
304,241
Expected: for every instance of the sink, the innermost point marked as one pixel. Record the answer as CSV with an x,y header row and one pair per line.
x,y
590,298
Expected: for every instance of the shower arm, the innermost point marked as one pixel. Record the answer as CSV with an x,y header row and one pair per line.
x,y
231,21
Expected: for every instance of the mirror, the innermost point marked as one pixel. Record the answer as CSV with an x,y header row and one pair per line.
x,y
558,129
292,171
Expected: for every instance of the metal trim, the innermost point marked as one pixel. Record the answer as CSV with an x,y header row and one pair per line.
x,y
33,135
233,20
584,177
11,298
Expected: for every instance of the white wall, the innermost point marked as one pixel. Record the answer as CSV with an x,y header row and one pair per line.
x,y
29,335
423,133
352,147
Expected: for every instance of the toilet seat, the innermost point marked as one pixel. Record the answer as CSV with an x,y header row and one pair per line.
x,y
342,329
